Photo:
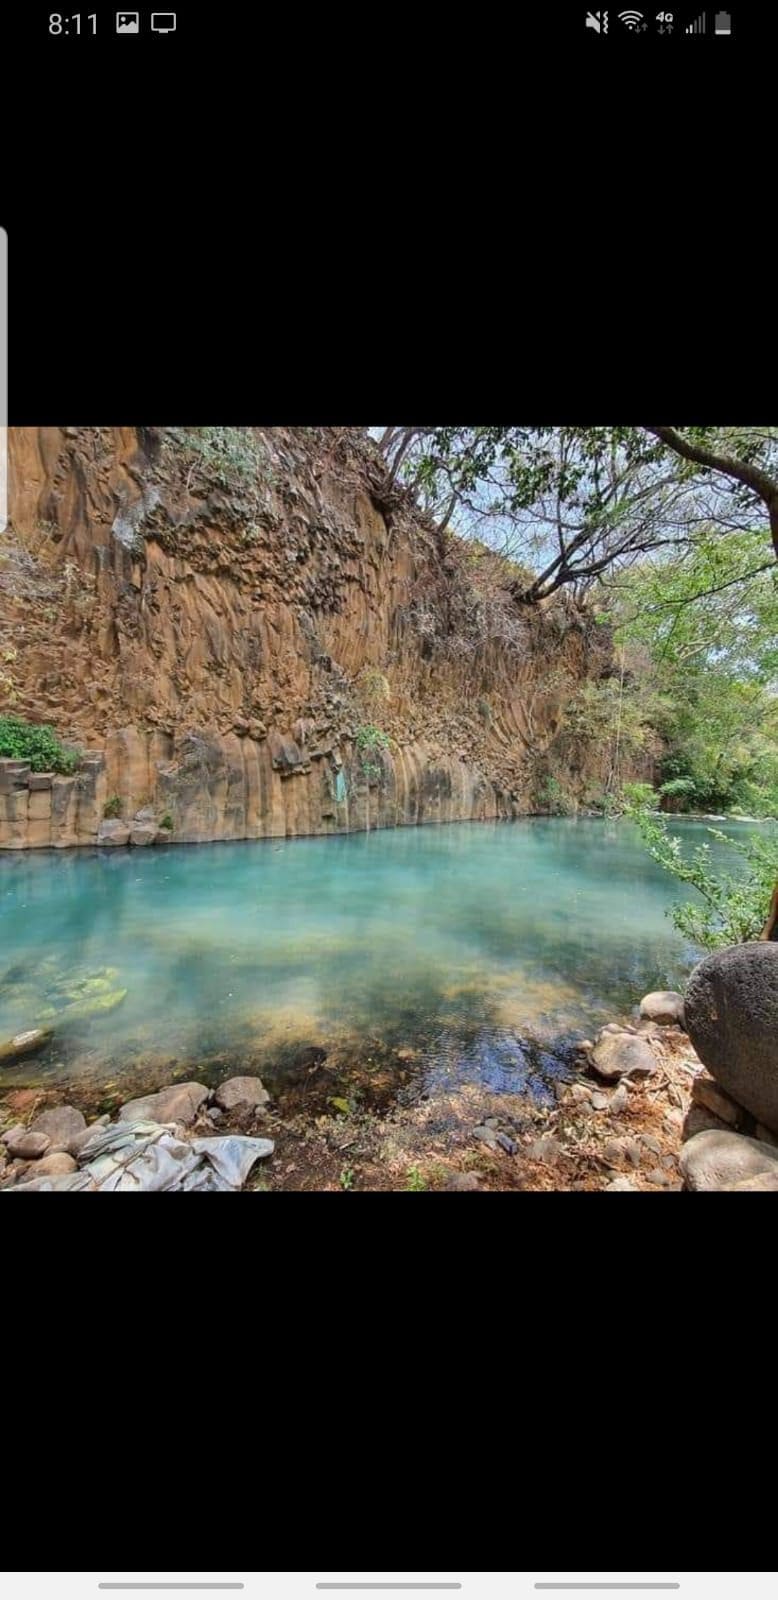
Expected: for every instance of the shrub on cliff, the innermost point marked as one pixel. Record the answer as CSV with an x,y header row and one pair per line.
x,y
36,743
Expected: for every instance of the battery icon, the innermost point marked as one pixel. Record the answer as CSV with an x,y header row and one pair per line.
x,y
723,22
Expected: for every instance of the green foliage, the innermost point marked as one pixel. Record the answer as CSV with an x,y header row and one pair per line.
x,y
230,457
346,1179
639,796
166,822
113,807
416,1180
36,743
712,658
549,797
370,741
734,908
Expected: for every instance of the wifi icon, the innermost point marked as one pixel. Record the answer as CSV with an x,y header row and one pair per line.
x,y
631,19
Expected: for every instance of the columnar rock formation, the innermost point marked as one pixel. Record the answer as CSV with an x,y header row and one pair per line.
x,y
290,652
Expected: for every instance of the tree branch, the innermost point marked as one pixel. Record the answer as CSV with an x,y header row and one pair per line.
x,y
742,471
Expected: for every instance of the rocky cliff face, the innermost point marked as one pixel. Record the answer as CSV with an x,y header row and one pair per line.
x,y
246,637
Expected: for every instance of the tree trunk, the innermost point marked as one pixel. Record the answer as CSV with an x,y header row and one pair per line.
x,y
770,929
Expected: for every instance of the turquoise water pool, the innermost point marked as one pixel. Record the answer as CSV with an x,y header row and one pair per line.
x,y
473,950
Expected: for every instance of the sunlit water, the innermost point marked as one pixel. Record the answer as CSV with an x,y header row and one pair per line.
x,y
472,952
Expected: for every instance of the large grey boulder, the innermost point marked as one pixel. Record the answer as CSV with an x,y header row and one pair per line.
x,y
731,1010
719,1160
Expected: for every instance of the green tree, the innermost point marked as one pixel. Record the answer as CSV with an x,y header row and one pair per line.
x,y
732,908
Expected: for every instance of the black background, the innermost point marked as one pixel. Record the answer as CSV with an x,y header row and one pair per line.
x,y
359,217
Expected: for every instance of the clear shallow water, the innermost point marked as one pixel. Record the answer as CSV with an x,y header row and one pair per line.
x,y
471,952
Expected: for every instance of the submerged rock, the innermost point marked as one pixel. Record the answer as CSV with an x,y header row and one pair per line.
x,y
732,1020
663,1006
719,1160
92,1005
24,1044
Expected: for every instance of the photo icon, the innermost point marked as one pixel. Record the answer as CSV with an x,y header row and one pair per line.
x,y
128,22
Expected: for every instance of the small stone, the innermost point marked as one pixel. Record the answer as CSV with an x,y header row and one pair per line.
x,y
619,1100
616,1150
462,1180
239,1094
546,1149
620,1186
507,1144
12,1133
651,1143
672,1123
61,1125
622,1054
491,1122
658,1176
179,1103
486,1135
80,1140
54,1165
27,1146
600,1102
663,1006
579,1091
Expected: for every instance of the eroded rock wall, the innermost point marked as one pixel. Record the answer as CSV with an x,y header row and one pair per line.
x,y
245,655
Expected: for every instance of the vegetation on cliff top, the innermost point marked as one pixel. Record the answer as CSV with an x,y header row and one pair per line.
x,y
37,744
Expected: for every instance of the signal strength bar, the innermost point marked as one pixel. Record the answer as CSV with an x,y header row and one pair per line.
x,y
698,26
